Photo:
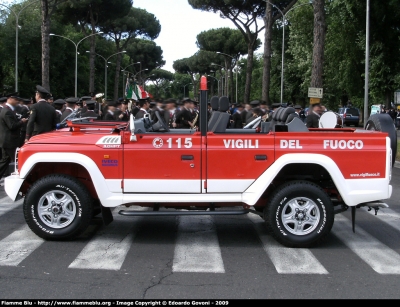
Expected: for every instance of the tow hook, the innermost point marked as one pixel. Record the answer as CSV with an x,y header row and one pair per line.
x,y
372,205
375,208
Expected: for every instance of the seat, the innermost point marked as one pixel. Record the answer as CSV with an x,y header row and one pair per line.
x,y
223,117
214,102
275,118
282,116
297,125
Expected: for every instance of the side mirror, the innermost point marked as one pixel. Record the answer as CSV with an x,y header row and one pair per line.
x,y
132,126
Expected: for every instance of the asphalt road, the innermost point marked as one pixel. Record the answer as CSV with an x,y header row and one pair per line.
x,y
219,257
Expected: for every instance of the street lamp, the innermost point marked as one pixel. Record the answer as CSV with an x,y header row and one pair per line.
x,y
236,71
366,64
105,69
283,38
76,56
184,87
217,81
222,78
16,37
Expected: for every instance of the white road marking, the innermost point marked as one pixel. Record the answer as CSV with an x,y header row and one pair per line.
x,y
109,247
197,248
388,216
287,260
18,245
6,205
377,255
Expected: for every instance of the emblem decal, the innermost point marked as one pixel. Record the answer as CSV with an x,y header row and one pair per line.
x,y
158,143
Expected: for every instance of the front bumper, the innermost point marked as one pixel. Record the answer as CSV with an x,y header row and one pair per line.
x,y
12,185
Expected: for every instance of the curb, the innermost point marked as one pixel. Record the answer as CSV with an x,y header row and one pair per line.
x,y
397,164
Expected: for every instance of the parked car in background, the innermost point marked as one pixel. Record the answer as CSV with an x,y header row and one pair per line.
x,y
350,116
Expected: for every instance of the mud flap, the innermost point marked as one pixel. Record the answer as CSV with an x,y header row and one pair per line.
x,y
107,215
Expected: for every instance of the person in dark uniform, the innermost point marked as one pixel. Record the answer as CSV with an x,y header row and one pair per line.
x,y
109,114
298,109
237,117
3,100
104,108
118,111
97,108
170,112
81,106
249,115
59,105
90,112
312,120
25,112
50,100
144,105
184,117
124,116
69,107
43,117
10,127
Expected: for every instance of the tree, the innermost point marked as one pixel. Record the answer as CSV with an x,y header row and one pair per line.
x,y
319,43
199,63
147,53
298,55
244,15
178,85
228,41
93,13
160,77
48,9
270,17
138,23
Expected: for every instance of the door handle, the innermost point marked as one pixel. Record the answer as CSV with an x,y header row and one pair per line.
x,y
260,157
185,158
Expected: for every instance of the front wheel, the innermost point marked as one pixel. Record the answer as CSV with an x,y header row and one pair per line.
x,y
299,214
58,207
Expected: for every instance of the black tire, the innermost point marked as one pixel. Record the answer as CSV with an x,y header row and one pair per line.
x,y
292,200
59,198
383,122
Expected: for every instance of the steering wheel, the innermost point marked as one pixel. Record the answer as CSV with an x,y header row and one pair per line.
x,y
162,122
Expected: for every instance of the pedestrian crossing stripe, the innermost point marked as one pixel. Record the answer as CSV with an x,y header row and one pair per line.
x,y
197,248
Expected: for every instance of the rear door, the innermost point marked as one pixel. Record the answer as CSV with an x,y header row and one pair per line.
x,y
235,161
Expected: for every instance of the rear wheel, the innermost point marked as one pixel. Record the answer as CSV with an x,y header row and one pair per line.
x,y
299,214
58,207
383,122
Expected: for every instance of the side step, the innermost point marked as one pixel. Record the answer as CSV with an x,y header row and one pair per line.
x,y
188,212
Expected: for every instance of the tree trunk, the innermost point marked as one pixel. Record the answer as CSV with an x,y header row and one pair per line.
x,y
92,52
319,43
249,69
267,54
117,70
45,28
